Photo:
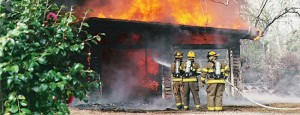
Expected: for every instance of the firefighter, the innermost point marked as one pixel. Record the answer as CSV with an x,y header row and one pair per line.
x,y
190,81
214,75
177,79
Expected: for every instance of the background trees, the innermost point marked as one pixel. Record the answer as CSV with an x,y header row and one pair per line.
x,y
276,56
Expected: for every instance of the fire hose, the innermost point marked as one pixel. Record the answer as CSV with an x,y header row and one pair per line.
x,y
259,104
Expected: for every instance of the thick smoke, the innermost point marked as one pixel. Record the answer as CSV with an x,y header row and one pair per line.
x,y
127,77
122,87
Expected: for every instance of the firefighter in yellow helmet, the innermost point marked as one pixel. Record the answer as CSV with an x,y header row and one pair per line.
x,y
190,81
214,74
177,79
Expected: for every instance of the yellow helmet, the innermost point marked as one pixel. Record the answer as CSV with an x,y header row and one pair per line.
x,y
212,53
178,54
191,54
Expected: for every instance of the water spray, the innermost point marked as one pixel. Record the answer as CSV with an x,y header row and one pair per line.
x,y
161,62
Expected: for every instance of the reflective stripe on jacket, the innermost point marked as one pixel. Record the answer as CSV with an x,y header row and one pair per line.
x,y
177,79
213,81
191,79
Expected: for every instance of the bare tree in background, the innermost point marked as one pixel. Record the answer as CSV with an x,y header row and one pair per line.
x,y
276,55
266,13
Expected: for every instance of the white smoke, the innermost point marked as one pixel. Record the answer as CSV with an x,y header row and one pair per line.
x,y
272,98
123,86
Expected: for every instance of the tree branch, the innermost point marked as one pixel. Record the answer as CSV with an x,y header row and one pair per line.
x,y
286,11
261,9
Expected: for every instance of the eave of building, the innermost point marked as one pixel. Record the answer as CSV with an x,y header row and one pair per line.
x,y
152,33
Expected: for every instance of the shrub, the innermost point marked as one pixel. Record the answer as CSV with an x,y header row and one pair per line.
x,y
37,42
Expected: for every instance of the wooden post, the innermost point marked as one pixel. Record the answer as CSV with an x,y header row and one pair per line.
x,y
236,78
166,78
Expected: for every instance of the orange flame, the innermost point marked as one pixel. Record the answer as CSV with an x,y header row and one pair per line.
x,y
186,12
137,10
153,85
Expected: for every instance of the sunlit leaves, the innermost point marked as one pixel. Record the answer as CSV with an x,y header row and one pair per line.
x,y
14,108
22,97
26,111
12,97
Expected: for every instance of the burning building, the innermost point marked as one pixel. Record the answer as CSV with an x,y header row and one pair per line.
x,y
136,35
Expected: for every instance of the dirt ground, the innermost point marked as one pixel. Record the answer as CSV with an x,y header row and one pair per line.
x,y
228,110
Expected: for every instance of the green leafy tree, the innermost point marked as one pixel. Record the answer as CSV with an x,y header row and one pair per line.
x,y
38,71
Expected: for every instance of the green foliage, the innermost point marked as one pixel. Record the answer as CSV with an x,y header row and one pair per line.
x,y
35,58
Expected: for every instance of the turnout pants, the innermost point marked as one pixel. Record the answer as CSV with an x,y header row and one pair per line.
x,y
177,89
214,96
194,88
